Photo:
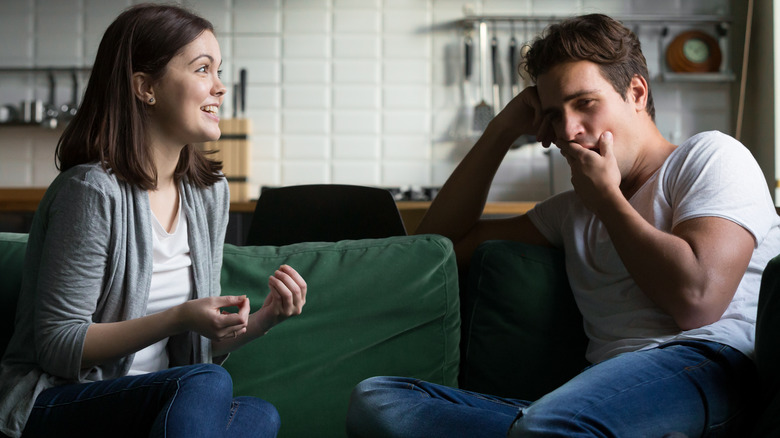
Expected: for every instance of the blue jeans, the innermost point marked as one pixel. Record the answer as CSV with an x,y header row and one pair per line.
x,y
191,401
691,388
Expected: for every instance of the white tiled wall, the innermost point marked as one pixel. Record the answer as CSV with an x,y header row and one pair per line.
x,y
340,91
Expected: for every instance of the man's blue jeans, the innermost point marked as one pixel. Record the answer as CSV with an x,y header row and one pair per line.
x,y
692,388
192,401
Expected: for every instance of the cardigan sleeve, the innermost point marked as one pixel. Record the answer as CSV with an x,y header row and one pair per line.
x,y
70,275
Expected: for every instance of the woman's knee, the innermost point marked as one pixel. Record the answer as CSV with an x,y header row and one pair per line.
x,y
209,377
255,414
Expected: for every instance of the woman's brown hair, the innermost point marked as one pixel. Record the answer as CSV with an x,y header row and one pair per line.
x,y
111,124
596,38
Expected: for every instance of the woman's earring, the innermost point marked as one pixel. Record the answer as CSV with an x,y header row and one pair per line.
x,y
151,100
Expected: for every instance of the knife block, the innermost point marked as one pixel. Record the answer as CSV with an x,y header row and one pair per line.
x,y
232,149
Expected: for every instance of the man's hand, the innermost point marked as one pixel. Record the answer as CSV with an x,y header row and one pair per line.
x,y
595,174
523,114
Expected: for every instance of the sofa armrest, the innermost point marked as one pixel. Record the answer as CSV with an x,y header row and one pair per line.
x,y
767,352
374,307
522,331
13,247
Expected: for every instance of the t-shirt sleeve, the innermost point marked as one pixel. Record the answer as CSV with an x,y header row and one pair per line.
x,y
717,176
549,215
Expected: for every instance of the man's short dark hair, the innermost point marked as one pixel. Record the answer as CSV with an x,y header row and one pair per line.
x,y
596,38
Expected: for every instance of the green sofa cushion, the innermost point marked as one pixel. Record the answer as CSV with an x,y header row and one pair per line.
x,y
374,307
12,249
523,334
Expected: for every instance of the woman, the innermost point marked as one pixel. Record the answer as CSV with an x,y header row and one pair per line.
x,y
120,314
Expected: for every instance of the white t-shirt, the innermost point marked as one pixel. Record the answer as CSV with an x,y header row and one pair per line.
x,y
711,174
171,286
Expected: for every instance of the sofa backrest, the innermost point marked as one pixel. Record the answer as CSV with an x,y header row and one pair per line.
x,y
12,250
522,332
374,307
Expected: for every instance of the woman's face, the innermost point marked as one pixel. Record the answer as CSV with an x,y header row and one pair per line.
x,y
189,94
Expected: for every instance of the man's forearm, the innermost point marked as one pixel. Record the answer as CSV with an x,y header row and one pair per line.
x,y
459,203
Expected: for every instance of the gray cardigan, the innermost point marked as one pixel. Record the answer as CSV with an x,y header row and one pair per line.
x,y
89,259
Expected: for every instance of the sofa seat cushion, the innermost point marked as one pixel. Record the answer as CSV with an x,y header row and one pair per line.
x,y
374,307
523,334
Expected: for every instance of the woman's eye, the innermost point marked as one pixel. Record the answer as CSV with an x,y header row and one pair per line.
x,y
219,74
201,70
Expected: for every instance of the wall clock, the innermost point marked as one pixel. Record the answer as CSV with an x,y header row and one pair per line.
x,y
693,51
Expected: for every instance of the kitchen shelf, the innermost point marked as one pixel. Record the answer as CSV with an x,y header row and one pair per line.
x,y
50,69
722,26
47,119
668,76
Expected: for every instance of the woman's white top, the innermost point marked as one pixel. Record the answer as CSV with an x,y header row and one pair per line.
x,y
171,285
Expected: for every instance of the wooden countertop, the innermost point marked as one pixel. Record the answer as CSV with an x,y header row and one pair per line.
x,y
20,199
25,200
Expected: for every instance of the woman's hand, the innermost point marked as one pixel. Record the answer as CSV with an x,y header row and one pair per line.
x,y
206,317
286,297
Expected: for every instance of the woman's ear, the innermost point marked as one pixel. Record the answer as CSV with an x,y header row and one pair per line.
x,y
142,87
638,91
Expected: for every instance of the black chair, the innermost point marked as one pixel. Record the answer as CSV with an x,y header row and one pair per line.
x,y
323,213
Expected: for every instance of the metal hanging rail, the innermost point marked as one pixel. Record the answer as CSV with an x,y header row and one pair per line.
x,y
632,19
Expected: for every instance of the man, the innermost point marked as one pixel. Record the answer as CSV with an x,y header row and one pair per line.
x,y
664,249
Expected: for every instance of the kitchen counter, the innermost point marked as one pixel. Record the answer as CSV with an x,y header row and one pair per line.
x,y
25,200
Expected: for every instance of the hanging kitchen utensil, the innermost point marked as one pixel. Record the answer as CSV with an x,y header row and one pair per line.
x,y
483,113
51,112
465,119
243,85
496,72
235,100
513,73
468,51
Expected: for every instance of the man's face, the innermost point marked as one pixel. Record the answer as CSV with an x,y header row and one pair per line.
x,y
580,105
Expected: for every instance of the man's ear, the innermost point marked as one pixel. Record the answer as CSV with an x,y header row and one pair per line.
x,y
142,88
638,91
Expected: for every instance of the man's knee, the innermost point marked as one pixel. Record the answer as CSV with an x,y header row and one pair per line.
x,y
548,421
364,418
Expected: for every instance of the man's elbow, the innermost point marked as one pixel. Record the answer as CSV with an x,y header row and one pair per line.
x,y
697,314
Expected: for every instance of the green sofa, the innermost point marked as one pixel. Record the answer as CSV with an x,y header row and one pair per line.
x,y
388,307
397,306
